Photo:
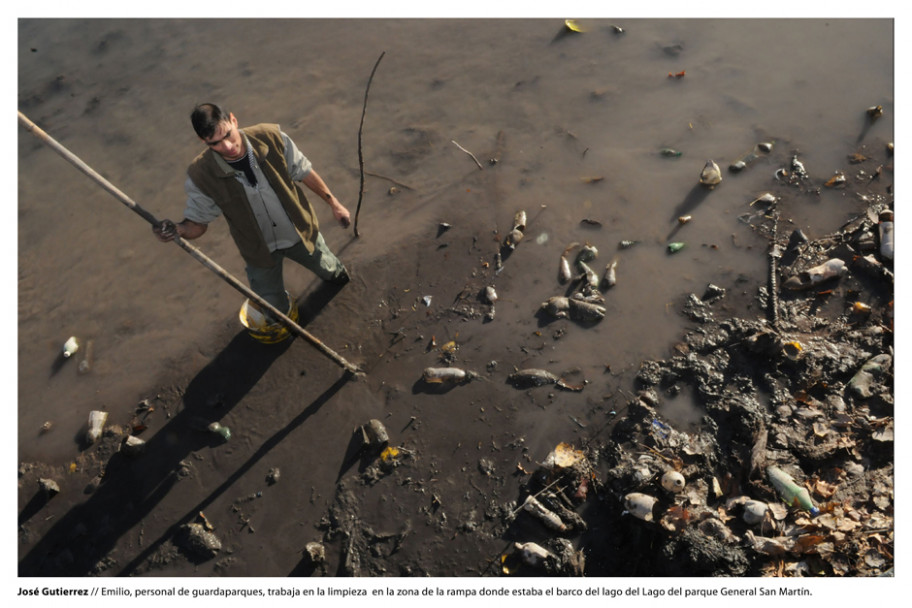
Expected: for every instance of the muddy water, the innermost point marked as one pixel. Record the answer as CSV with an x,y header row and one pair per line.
x,y
582,118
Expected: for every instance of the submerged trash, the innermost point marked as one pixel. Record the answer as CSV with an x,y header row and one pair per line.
x,y
533,554
438,375
626,244
133,446
790,492
589,277
860,384
518,231
85,366
586,254
573,26
831,269
670,153
315,552
767,198
798,168
374,434
70,347
490,294
838,180
875,112
675,247
197,541
532,377
222,431
885,233
640,505
673,481
562,307
97,421
610,278
711,176
543,514
563,456
754,512
564,274
48,487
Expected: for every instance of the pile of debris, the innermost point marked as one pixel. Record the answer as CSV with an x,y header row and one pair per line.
x,y
791,472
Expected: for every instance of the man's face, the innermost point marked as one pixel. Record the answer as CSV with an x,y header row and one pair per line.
x,y
227,141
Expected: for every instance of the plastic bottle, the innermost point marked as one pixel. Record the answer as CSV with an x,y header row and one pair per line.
x,y
218,429
70,347
885,230
791,493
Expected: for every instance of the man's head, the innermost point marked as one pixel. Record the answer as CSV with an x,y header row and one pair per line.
x,y
219,130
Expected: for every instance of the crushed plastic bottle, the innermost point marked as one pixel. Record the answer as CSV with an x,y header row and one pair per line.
x,y
790,492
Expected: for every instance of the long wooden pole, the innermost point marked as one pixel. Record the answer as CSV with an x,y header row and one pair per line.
x,y
193,251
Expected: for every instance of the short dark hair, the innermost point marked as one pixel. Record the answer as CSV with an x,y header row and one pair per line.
x,y
206,117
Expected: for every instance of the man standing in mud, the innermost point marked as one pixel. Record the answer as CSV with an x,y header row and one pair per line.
x,y
253,177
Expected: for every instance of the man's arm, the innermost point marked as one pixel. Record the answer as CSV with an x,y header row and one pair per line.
x,y
316,184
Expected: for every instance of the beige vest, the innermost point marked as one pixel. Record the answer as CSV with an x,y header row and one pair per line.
x,y
221,186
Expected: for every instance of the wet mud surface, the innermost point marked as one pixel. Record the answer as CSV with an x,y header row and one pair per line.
x,y
701,362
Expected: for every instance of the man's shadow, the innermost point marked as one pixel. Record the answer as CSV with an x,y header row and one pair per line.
x,y
132,487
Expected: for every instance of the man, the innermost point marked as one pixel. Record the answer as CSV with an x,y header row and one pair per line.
x,y
252,177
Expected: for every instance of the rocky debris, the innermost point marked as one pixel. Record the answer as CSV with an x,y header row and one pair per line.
x,y
48,487
133,446
96,424
315,553
374,435
198,542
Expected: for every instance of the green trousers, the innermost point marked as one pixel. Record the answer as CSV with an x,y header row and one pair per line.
x,y
269,283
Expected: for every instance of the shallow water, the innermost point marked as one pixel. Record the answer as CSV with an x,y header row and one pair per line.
x,y
570,107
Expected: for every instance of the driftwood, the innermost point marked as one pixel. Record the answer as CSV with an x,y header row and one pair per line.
x,y
469,153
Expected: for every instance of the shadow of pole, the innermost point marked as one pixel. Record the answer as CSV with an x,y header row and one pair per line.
x,y
131,488
262,451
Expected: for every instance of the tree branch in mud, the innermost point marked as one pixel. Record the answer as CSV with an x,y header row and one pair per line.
x,y
360,129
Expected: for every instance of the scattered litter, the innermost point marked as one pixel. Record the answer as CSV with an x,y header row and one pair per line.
x,y
70,347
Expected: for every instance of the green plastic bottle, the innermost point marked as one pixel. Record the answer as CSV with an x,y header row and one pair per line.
x,y
792,494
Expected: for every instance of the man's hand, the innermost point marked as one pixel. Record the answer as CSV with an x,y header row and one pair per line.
x,y
165,230
340,213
